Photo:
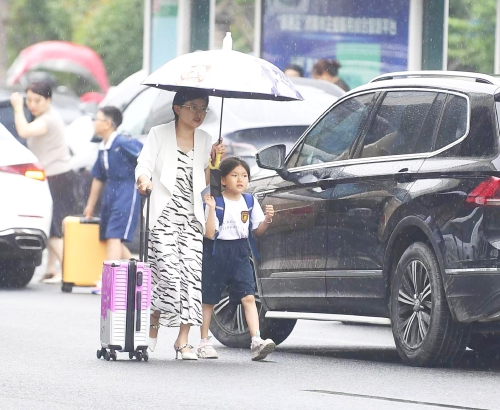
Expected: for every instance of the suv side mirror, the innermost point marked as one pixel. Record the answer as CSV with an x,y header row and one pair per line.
x,y
272,157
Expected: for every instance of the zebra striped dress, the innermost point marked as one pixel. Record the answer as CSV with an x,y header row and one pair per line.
x,y
175,253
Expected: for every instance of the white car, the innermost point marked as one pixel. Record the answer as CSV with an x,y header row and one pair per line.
x,y
25,212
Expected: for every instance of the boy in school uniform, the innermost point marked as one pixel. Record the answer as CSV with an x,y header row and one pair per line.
x,y
226,254
114,171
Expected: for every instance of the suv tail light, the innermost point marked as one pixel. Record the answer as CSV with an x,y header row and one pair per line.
x,y
487,193
34,171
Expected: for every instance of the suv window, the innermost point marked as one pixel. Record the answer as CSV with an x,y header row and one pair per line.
x,y
332,137
136,113
454,121
161,111
396,129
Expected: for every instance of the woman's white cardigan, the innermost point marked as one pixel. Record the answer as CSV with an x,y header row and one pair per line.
x,y
158,161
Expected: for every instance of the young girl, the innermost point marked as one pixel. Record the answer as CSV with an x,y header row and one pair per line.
x,y
230,263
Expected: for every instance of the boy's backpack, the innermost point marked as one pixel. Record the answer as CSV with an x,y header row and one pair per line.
x,y
219,212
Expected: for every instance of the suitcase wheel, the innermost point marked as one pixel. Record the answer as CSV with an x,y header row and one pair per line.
x,y
131,355
113,355
106,355
67,287
99,353
145,356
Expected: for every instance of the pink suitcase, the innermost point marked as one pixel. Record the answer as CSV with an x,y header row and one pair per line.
x,y
125,298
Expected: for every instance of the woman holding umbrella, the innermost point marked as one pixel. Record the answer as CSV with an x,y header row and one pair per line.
x,y
175,157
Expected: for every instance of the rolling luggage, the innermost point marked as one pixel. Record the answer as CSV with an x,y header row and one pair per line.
x,y
125,297
83,253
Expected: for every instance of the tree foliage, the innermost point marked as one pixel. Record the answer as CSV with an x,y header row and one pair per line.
x,y
471,35
114,29
32,21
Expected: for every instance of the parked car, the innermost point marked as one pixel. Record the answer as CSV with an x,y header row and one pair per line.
x,y
26,212
386,211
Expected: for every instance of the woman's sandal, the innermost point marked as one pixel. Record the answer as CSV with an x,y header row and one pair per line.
x,y
185,355
47,275
152,340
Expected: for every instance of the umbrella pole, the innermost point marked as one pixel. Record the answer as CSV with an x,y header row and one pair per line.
x,y
220,124
215,182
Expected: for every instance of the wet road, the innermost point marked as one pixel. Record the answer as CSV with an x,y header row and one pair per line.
x,y
48,361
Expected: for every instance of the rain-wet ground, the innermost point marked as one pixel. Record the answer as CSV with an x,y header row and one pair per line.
x,y
49,341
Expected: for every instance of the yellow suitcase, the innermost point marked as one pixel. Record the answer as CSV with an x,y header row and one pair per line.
x,y
83,253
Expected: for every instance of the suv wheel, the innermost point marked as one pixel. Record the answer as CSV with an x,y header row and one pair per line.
x,y
229,325
14,276
423,330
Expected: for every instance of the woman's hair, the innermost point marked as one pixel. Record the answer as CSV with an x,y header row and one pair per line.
x,y
41,88
114,114
228,164
329,66
188,94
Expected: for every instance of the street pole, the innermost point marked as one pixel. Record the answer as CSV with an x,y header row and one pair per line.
x,y
146,41
496,69
183,27
445,34
415,35
257,36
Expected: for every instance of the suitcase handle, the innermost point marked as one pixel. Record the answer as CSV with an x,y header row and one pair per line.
x,y
144,233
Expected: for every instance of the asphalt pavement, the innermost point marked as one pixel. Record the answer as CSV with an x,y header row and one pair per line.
x,y
48,361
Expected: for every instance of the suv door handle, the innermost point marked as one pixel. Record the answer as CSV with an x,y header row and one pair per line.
x,y
403,176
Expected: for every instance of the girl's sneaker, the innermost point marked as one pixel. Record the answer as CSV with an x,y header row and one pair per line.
x,y
261,348
206,350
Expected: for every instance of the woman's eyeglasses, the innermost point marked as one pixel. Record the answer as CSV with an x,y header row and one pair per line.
x,y
192,108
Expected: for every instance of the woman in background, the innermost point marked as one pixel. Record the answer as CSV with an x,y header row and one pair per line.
x,y
328,70
45,138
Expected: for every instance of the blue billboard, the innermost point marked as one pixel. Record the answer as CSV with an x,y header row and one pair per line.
x,y
368,37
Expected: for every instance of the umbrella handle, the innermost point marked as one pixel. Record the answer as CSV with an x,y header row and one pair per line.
x,y
217,162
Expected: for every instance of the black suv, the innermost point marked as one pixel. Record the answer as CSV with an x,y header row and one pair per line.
x,y
387,211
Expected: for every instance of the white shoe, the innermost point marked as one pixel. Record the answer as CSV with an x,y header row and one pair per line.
x,y
153,340
56,279
261,348
206,350
185,355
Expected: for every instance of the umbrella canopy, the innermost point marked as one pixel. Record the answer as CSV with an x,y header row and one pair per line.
x,y
59,56
227,74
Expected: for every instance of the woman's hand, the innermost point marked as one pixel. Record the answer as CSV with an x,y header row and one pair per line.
x,y
144,185
217,148
17,101
209,200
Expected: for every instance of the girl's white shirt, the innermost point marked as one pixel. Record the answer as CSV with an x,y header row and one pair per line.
x,y
233,226
158,161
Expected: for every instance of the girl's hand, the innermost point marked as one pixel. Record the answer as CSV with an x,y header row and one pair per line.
x,y
209,200
144,186
17,101
269,213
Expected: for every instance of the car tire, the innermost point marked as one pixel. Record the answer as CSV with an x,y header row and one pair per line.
x,y
229,326
423,329
14,276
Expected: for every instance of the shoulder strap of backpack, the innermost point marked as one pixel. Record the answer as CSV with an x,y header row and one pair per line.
x,y
219,209
249,199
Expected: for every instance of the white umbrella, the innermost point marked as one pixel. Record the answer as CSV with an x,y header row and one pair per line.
x,y
225,73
